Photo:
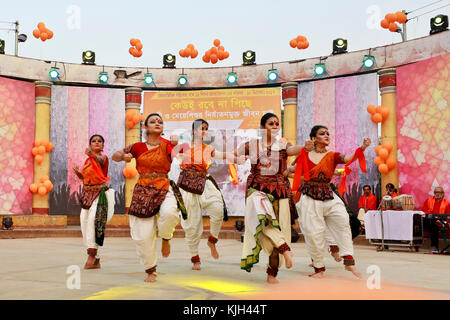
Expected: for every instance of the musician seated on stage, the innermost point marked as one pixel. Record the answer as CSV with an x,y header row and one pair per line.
x,y
367,201
437,205
391,190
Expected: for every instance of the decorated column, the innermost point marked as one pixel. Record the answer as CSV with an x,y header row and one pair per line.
x,y
387,84
42,133
289,95
133,101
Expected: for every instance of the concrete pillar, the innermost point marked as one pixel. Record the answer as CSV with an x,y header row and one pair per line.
x,y
387,85
133,100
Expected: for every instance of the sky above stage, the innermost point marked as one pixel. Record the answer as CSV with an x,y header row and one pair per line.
x,y
265,27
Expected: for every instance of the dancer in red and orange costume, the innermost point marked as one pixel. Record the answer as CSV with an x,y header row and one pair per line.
x,y
155,202
319,208
97,199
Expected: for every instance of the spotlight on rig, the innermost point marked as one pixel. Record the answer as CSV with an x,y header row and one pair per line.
x,y
54,73
248,58
2,46
88,57
272,75
319,69
103,77
232,78
438,24
169,61
339,46
368,61
148,79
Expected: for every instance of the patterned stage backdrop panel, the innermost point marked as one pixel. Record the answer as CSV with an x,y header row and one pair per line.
x,y
77,114
340,104
17,125
423,117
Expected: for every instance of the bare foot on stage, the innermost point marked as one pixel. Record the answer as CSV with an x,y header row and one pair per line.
x,y
91,263
336,256
165,248
288,259
196,266
214,252
317,275
353,270
151,277
272,280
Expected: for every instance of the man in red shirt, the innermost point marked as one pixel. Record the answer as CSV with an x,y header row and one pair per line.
x,y
366,202
437,205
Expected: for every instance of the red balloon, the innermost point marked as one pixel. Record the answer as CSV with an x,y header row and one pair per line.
x,y
214,58
227,54
306,45
391,17
221,55
401,17
133,42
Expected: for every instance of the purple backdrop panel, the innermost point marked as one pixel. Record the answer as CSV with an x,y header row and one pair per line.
x,y
78,134
98,114
305,111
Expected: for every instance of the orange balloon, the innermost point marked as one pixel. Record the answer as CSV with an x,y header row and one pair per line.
x,y
44,178
133,172
129,114
181,53
138,54
300,38
130,124
44,36
133,42
384,154
227,54
139,46
391,163
378,161
36,33
34,151
49,34
293,43
384,23
221,48
300,44
384,112
190,46
33,188
44,144
208,54
378,109
37,143
393,27
137,118
401,17
391,17
306,45
41,150
41,26
214,50
388,146
133,51
125,172
383,168
38,159
378,148
221,55
217,42
371,109
377,117
48,185
194,53
42,191
187,52
50,147
214,58
205,59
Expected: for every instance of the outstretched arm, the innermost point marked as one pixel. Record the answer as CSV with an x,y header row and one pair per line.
x,y
349,157
295,150
122,156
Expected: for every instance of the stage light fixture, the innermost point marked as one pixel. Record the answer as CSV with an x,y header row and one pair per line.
x,y
368,61
232,78
169,61
248,58
54,73
339,46
182,80
148,79
438,24
103,77
88,57
272,75
319,69
2,46
7,223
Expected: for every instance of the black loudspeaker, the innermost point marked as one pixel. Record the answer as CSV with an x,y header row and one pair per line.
x,y
7,223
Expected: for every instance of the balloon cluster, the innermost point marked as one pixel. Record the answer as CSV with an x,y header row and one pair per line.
x,y
189,51
133,118
136,48
385,161
379,113
300,42
42,188
41,147
42,32
389,20
215,53
130,172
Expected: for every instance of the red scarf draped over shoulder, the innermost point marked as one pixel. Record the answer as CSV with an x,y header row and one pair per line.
x,y
93,173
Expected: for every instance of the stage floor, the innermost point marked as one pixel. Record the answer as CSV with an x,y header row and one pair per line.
x,y
45,268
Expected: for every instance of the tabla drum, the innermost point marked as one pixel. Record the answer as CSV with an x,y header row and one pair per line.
x,y
404,202
387,203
